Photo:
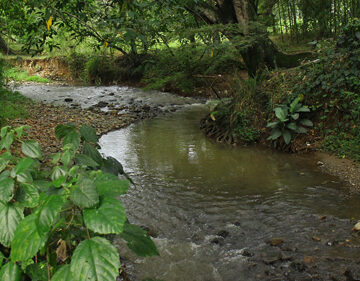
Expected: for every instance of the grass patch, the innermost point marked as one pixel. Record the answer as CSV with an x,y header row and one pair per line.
x,y
20,75
12,105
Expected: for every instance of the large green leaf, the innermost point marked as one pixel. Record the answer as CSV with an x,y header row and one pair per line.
x,y
287,136
281,114
72,138
4,131
89,134
27,240
10,216
92,152
28,195
95,260
62,130
10,272
84,193
139,241
49,210
6,189
4,160
63,274
23,165
85,160
32,149
24,177
7,141
108,218
109,184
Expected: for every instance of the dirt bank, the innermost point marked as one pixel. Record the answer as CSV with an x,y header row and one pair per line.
x,y
345,169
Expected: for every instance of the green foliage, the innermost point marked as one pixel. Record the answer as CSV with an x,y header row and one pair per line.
x,y
12,105
332,85
290,121
2,71
77,62
344,145
100,69
54,219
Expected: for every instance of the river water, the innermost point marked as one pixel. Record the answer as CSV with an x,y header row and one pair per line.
x,y
222,213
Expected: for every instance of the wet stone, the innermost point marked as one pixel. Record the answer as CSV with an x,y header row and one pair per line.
x,y
223,233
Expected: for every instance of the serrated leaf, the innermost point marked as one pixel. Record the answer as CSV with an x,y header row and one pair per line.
x,y
6,189
84,160
7,141
24,177
10,272
72,138
22,166
4,131
302,130
32,149
28,195
84,193
93,153
62,130
57,173
20,131
48,211
27,240
63,274
139,241
303,109
108,218
89,134
295,116
4,160
66,157
95,260
110,185
10,216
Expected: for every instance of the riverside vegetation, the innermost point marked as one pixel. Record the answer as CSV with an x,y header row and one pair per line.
x,y
56,217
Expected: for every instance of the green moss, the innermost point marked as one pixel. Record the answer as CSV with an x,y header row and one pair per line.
x,y
20,75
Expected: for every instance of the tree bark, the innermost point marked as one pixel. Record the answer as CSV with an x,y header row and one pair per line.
x,y
262,52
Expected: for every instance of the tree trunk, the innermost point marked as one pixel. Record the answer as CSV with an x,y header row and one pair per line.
x,y
261,52
4,47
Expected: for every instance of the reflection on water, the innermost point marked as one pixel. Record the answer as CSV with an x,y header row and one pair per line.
x,y
189,189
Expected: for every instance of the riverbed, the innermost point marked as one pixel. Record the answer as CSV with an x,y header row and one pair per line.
x,y
218,212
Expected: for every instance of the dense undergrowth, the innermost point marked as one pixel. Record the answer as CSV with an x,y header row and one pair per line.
x,y
314,105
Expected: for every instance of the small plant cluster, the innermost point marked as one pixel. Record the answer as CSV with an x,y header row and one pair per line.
x,y
55,219
290,121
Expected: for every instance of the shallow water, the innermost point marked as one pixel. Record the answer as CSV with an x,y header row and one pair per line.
x,y
192,192
213,208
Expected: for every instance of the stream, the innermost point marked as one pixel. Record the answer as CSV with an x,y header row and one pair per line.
x,y
222,213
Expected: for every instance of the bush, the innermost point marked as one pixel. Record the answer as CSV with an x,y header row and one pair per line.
x,y
100,69
77,63
56,218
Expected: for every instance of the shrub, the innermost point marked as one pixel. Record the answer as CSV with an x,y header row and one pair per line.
x,y
56,218
100,69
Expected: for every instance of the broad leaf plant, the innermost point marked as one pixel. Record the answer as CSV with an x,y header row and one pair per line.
x,y
56,216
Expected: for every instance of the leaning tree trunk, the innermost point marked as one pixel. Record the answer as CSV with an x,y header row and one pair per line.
x,y
4,48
